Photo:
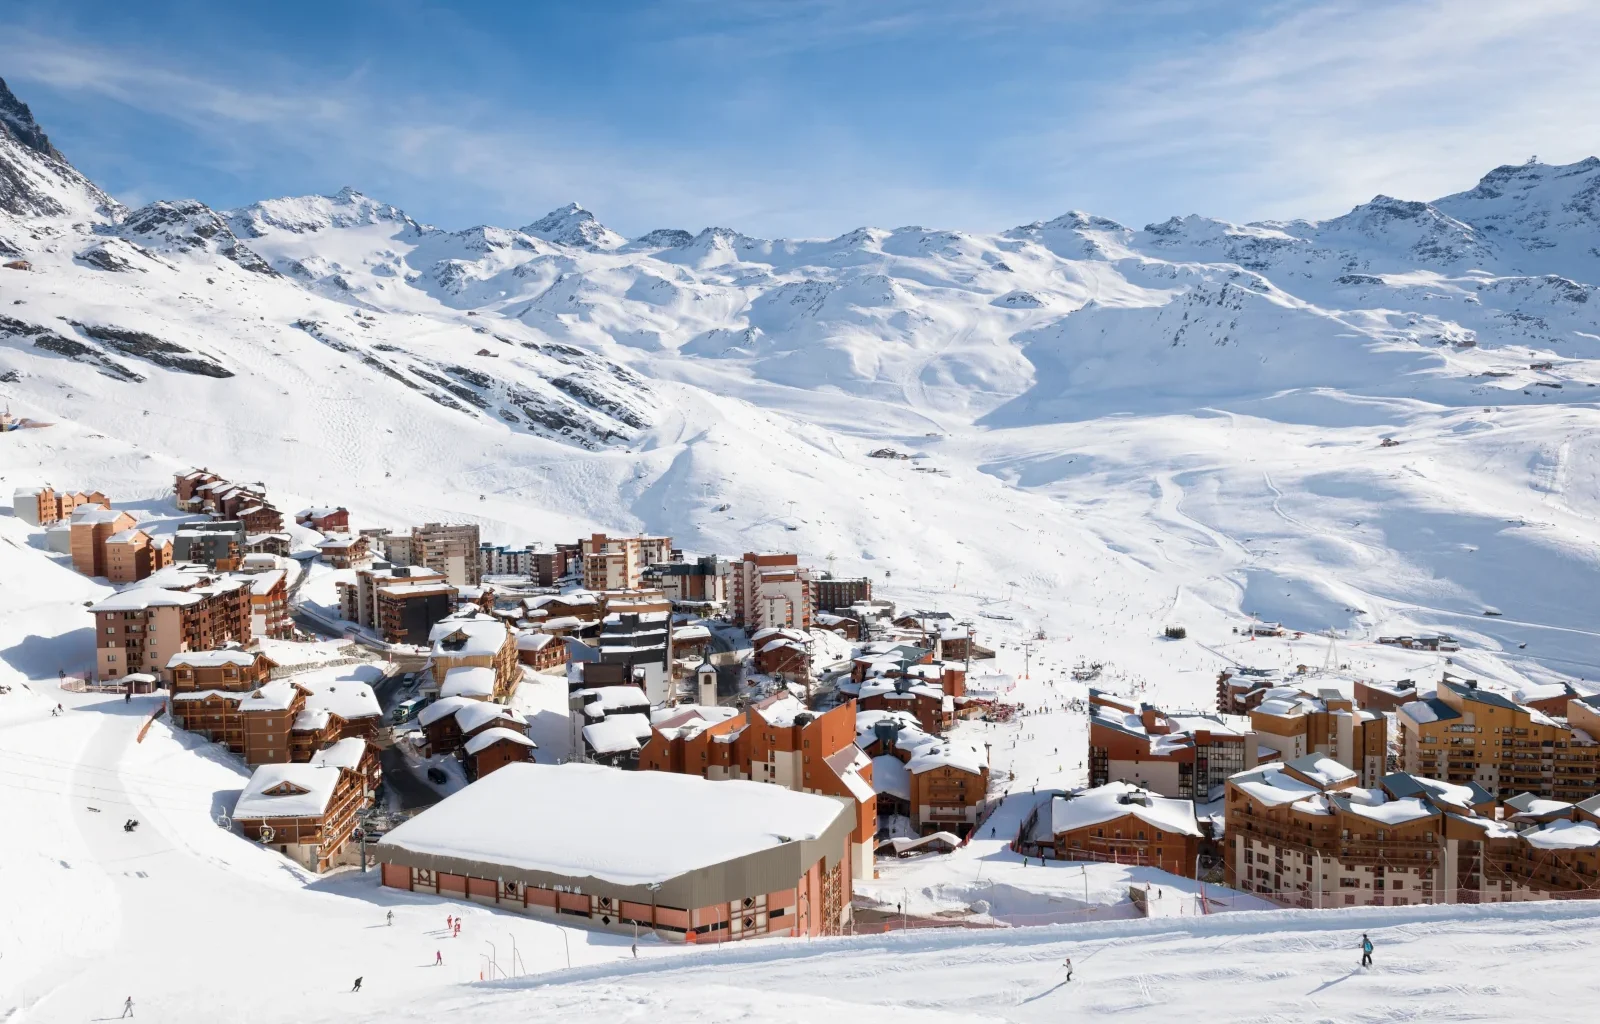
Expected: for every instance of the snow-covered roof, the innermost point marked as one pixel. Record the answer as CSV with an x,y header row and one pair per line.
x,y
312,720
337,541
948,753
1272,786
96,514
212,659
617,734
1118,799
612,698
689,822
535,641
350,699
1430,709
475,714
682,634
442,708
848,763
1321,769
127,536
345,753
499,734
890,776
479,636
263,583
1376,805
138,599
468,681
317,512
277,695
305,790
781,710
1563,835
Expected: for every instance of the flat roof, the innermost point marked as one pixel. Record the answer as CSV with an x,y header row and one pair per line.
x,y
629,828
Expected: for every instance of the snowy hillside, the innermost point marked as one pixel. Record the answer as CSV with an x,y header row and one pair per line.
x,y
1115,425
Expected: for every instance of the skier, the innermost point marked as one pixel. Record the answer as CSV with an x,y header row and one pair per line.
x,y
357,986
1068,965
458,929
449,921
127,1008
438,958
391,918
1366,950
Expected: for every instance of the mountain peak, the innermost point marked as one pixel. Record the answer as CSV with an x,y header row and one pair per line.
x,y
574,226
17,121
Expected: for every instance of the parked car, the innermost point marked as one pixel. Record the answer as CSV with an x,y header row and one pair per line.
x,y
436,775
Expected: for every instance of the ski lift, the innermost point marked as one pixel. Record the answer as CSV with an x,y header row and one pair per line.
x,y
268,834
224,822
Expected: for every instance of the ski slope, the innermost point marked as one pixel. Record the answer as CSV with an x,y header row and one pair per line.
x,y
1503,963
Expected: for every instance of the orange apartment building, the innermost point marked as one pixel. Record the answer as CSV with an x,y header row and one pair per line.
x,y
471,639
1295,723
92,526
134,554
1118,823
689,859
618,563
940,784
769,591
229,697
494,748
1304,834
1184,756
776,741
43,506
1385,697
141,628
934,692
1467,734
269,605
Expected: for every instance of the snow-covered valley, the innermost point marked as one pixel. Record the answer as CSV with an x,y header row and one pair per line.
x,y
1110,430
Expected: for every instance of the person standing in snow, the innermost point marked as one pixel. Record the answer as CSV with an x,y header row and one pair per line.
x,y
1068,965
357,986
127,1008
449,922
1366,950
438,958
390,917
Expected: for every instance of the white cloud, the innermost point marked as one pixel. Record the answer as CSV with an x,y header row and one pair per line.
x,y
1332,104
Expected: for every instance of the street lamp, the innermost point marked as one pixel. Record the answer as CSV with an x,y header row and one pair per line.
x,y
654,888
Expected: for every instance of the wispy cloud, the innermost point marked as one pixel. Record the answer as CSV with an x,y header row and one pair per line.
x,y
1299,109
1336,102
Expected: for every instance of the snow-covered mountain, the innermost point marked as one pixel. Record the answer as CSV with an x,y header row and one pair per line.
x,y
1123,424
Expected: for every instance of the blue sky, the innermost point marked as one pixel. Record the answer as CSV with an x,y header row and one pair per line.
x,y
809,117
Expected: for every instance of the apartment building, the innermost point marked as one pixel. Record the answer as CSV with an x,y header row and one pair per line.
x,y
309,811
619,563
134,554
1118,823
940,784
92,526
219,545
768,591
777,741
324,519
473,640
448,548
1465,733
141,628
1178,755
269,605
698,586
500,560
1305,833
829,593
1385,697
43,506
1296,722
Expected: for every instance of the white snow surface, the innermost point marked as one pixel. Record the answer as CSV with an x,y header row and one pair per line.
x,y
1116,429
688,822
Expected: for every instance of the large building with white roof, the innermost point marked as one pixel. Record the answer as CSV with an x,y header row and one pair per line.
x,y
689,858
